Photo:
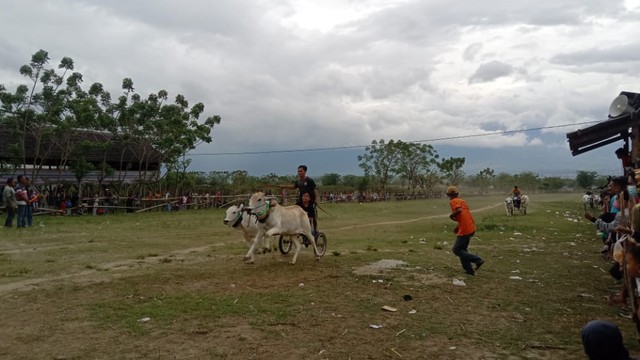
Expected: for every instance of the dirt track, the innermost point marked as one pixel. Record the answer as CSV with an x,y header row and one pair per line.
x,y
412,220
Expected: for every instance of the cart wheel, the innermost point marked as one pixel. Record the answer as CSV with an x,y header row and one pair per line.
x,y
284,244
321,243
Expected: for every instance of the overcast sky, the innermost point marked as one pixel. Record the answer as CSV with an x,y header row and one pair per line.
x,y
291,75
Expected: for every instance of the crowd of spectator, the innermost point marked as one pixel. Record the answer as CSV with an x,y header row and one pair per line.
x,y
618,225
375,196
21,200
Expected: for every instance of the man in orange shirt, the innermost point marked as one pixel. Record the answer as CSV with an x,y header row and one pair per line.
x,y
464,231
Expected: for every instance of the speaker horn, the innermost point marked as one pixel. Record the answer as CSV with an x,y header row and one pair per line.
x,y
620,106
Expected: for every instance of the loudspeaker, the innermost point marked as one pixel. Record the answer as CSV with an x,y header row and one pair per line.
x,y
620,106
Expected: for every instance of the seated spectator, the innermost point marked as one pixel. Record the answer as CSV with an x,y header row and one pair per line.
x,y
616,186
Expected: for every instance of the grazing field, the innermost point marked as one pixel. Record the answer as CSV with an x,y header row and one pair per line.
x,y
173,286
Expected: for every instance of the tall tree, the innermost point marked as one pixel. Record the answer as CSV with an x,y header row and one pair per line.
x,y
379,160
414,162
46,106
484,178
527,181
330,179
586,179
34,110
452,169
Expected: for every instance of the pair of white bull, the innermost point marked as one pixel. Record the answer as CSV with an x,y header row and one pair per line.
x,y
590,200
509,206
266,218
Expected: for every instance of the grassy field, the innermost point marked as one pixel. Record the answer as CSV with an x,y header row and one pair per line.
x,y
173,286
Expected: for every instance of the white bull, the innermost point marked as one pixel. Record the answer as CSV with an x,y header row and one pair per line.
x,y
524,203
274,219
508,205
236,218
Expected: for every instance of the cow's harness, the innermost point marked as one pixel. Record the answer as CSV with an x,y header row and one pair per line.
x,y
238,219
262,214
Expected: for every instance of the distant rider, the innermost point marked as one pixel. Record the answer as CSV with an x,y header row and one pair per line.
x,y
516,194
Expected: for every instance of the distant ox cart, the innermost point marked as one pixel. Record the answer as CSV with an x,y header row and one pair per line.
x,y
516,204
591,200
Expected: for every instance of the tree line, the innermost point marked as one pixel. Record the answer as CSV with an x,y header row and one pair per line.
x,y
485,181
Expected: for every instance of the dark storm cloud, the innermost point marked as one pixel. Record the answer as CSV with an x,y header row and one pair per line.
x,y
604,54
404,69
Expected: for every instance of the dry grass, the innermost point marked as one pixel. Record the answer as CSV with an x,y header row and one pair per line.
x,y
77,288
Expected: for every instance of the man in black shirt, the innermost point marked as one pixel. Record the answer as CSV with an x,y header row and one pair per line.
x,y
305,184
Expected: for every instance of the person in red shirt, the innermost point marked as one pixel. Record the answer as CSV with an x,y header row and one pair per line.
x,y
464,231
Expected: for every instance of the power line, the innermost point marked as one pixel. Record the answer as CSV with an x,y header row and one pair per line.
x,y
503,132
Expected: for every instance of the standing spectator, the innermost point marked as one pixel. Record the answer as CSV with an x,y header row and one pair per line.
x,y
129,203
63,206
23,200
44,200
207,200
465,230
96,203
9,201
218,199
53,201
184,200
167,201
136,201
107,201
76,204
32,198
148,200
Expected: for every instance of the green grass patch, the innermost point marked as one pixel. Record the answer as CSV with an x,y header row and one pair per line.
x,y
543,280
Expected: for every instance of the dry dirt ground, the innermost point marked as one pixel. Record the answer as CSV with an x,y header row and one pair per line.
x,y
53,320
204,303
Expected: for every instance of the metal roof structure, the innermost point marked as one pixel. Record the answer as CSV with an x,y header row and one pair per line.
x,y
117,154
622,127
